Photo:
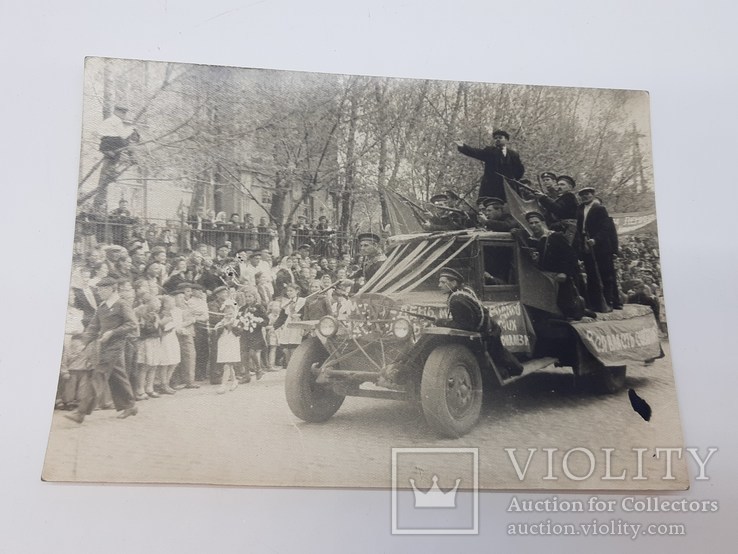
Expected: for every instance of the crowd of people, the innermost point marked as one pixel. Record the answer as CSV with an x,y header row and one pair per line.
x,y
212,229
142,322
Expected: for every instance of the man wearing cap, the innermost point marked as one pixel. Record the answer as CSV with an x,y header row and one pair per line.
x,y
372,255
468,313
548,181
439,218
499,161
563,208
496,218
186,335
112,323
447,215
597,241
553,253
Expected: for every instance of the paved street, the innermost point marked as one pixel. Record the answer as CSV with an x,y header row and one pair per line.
x,y
249,436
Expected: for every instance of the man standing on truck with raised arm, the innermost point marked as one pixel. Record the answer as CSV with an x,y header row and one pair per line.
x,y
499,161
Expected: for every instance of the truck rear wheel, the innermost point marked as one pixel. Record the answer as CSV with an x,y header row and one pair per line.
x,y
307,399
451,390
599,377
609,380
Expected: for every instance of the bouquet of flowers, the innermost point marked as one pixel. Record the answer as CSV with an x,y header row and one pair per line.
x,y
249,321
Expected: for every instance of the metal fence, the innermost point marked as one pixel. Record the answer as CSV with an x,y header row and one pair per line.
x,y
181,237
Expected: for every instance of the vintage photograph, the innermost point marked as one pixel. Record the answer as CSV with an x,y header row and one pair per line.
x,y
280,277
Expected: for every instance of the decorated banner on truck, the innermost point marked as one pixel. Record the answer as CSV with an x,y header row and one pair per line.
x,y
517,330
621,337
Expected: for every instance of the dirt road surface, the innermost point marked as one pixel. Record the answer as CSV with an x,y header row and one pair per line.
x,y
250,437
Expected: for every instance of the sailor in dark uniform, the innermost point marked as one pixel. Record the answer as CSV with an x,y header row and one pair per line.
x,y
468,313
496,218
373,257
563,208
553,253
444,216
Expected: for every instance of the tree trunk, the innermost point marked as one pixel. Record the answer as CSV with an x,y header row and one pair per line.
x,y
449,136
348,185
380,90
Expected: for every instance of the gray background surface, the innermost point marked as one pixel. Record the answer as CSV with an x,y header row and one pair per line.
x,y
681,52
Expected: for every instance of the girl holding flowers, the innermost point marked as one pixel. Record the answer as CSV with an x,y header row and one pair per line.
x,y
251,321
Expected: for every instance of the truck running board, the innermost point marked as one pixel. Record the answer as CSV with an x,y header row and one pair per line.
x,y
531,366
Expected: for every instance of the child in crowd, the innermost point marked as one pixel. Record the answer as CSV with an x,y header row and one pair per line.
x,y
75,372
149,346
271,337
316,305
169,354
251,319
290,337
72,359
229,349
264,289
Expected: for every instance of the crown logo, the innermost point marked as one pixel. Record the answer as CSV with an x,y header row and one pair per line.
x,y
434,497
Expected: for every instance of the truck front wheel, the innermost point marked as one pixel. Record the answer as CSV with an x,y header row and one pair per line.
x,y
308,400
451,390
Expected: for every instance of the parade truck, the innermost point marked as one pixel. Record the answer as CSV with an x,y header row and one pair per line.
x,y
386,343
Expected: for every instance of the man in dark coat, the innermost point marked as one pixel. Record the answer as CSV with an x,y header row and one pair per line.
x,y
468,313
597,241
564,206
553,253
496,218
112,324
498,160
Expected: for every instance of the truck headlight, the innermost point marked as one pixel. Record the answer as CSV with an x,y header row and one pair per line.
x,y
328,326
401,328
